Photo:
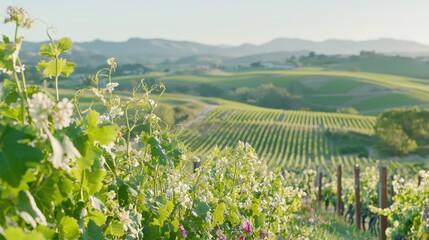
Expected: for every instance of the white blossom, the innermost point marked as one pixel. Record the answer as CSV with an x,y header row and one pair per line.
x,y
62,117
115,112
19,69
125,219
103,118
112,62
111,86
40,106
152,103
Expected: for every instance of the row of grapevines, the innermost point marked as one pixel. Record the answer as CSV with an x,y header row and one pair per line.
x,y
296,141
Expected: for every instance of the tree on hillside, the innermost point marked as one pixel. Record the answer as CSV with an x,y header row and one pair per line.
x,y
402,131
265,95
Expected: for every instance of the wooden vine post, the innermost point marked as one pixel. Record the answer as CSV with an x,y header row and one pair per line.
x,y
339,191
357,197
196,165
382,196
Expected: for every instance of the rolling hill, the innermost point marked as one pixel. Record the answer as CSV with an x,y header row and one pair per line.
x,y
369,93
138,50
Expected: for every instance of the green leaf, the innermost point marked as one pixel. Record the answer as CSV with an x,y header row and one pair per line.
x,y
32,89
115,229
48,50
49,233
7,48
94,180
90,154
64,44
93,232
16,156
10,93
53,68
66,186
157,151
28,210
104,134
201,208
49,193
259,220
165,211
151,232
97,216
69,228
218,214
18,233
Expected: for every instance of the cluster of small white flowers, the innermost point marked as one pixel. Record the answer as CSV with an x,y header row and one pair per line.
x,y
180,189
62,117
111,86
5,71
19,69
125,219
115,111
152,103
40,107
152,118
20,16
112,62
103,118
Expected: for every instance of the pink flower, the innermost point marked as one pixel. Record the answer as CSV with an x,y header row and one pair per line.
x,y
183,232
246,226
220,235
312,211
263,234
242,238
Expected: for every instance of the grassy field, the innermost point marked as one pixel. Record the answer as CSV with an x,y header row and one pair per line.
x,y
369,93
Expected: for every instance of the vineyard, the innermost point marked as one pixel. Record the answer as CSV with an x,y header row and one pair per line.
x,y
287,139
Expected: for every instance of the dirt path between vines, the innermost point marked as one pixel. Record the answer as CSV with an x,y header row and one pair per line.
x,y
206,111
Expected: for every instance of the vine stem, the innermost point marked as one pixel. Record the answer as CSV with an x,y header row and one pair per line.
x,y
18,83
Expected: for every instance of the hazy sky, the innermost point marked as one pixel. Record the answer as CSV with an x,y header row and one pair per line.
x,y
227,21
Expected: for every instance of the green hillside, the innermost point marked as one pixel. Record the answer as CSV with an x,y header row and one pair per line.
x,y
377,63
369,93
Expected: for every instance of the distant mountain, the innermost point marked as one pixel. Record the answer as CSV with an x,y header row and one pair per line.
x,y
138,50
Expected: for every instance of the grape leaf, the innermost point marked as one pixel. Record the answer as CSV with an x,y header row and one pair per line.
x,y
64,44
201,208
218,217
16,156
18,233
53,68
104,134
94,180
9,92
93,232
48,50
69,228
115,229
